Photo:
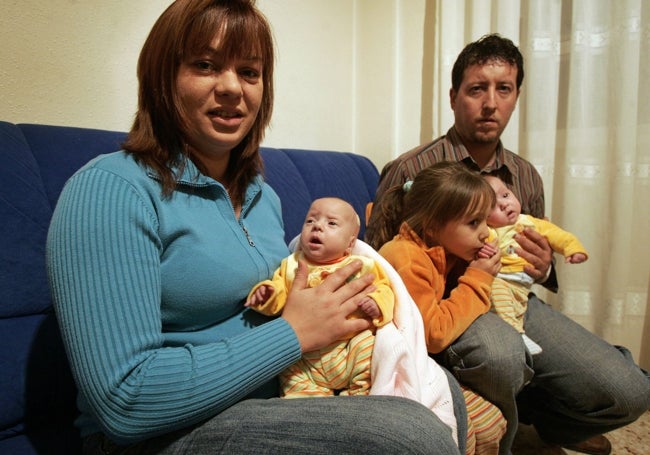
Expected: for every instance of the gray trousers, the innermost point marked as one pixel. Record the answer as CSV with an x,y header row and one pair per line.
x,y
578,387
332,425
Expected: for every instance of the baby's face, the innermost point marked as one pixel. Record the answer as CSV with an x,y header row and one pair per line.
x,y
507,208
330,230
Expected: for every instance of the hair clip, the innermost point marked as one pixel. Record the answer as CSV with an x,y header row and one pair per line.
x,y
407,186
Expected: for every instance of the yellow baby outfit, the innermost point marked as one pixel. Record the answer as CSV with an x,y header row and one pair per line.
x,y
342,367
511,286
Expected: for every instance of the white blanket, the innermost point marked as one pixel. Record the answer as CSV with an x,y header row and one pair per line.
x,y
401,365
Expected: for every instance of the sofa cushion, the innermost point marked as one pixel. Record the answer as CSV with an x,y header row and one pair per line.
x,y
36,383
25,214
37,394
54,439
60,151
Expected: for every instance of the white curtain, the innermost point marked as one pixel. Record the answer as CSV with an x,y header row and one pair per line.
x,y
584,121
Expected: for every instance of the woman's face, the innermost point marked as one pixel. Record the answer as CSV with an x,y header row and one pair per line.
x,y
220,99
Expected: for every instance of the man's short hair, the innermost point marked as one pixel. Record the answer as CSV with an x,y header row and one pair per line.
x,y
485,49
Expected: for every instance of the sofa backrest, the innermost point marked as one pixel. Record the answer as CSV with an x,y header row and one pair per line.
x,y
36,390
300,176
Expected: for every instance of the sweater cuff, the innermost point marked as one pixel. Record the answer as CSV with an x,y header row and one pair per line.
x,y
480,275
283,333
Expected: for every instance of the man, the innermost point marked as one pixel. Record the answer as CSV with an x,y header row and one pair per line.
x,y
579,386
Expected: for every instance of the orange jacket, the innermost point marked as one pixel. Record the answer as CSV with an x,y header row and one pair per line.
x,y
424,271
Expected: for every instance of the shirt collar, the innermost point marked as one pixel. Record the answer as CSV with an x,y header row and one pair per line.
x,y
502,164
191,176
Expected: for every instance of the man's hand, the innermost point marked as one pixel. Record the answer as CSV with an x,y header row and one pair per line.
x,y
536,250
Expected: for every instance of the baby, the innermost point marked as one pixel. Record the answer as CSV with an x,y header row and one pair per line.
x,y
328,234
512,285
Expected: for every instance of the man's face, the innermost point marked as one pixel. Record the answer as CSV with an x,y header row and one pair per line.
x,y
484,102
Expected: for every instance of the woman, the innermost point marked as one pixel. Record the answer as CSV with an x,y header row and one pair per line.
x,y
153,249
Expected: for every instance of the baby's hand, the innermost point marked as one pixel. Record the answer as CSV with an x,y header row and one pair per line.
x,y
488,250
576,258
490,264
260,296
370,307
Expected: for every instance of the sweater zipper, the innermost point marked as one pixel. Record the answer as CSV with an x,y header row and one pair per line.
x,y
248,236
200,185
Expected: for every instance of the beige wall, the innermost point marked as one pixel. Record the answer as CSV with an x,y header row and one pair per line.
x,y
72,62
345,76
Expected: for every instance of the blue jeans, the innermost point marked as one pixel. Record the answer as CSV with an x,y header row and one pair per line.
x,y
341,425
578,387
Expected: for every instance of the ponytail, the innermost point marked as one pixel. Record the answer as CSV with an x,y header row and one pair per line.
x,y
386,216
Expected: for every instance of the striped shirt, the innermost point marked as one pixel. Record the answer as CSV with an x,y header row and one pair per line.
x,y
520,175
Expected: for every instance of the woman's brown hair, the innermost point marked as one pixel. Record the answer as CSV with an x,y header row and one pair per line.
x,y
185,29
441,193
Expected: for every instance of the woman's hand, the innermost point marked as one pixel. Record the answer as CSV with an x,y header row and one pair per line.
x,y
536,250
319,315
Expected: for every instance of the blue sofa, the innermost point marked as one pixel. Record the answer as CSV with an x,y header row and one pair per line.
x,y
37,394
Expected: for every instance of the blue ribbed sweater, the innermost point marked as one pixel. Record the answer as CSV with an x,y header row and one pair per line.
x,y
149,296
